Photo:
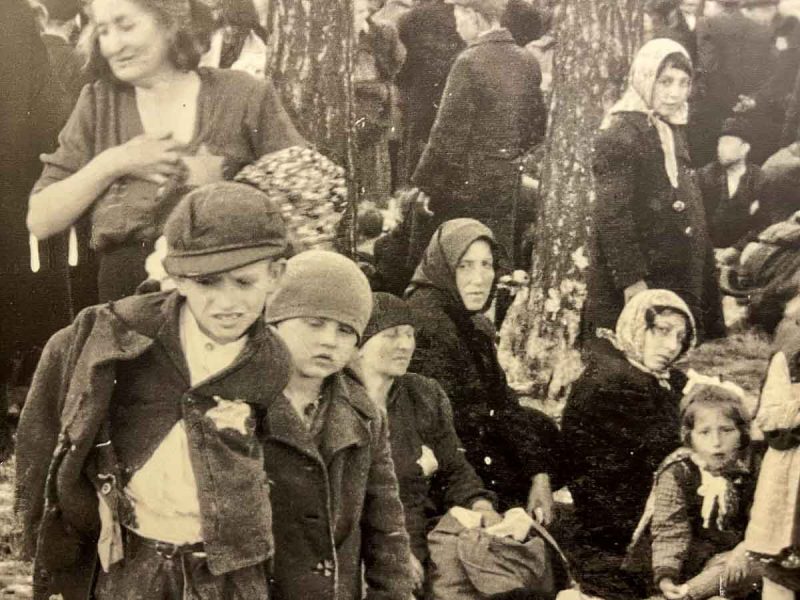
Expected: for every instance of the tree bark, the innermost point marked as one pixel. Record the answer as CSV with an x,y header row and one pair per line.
x,y
310,61
596,41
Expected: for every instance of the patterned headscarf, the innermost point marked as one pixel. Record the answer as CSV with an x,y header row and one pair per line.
x,y
629,335
638,97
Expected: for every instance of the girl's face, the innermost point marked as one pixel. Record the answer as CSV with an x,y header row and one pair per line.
x,y
475,275
715,437
319,347
663,341
671,91
132,40
389,352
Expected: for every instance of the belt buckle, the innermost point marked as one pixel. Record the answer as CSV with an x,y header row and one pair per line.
x,y
166,550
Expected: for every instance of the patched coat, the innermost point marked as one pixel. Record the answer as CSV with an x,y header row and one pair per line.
x,y
63,462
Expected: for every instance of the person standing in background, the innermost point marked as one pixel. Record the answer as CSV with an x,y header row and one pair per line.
x,y
29,121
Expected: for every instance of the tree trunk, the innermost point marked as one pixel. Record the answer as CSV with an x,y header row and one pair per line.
x,y
596,41
310,61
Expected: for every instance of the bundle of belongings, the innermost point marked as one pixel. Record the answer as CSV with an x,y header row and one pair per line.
x,y
768,273
310,189
511,559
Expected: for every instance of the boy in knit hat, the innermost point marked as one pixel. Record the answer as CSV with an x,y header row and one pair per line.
x,y
335,496
138,443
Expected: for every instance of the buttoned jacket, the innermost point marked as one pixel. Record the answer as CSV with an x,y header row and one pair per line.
x,y
335,501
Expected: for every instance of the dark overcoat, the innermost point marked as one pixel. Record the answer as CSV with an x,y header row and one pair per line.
x,y
492,112
335,503
644,229
505,443
420,414
618,425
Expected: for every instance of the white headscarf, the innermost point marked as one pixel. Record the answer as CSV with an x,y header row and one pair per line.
x,y
638,97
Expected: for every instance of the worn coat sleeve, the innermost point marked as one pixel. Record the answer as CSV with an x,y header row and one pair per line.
x,y
443,163
670,527
76,143
615,167
37,433
462,484
387,558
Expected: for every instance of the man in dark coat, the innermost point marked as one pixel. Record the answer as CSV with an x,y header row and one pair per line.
x,y
734,58
491,115
29,123
428,32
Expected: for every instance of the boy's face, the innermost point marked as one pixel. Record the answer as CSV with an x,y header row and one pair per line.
x,y
225,305
319,347
731,149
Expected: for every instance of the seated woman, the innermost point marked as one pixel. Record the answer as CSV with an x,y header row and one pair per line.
x,y
620,421
513,449
152,126
423,439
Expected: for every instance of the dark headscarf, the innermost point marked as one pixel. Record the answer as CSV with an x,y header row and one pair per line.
x,y
449,243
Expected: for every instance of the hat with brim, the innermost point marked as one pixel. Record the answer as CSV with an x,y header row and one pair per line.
x,y
221,227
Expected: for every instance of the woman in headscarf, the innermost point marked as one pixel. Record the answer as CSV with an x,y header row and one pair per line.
x,y
426,451
649,223
620,421
513,449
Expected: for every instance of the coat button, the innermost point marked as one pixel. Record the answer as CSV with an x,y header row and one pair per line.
x,y
679,206
487,460
689,232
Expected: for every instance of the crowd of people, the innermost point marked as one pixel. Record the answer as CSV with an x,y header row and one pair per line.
x,y
217,413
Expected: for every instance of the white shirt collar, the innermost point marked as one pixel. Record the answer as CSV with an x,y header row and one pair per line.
x,y
204,356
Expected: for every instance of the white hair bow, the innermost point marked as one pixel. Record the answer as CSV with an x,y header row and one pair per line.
x,y
696,378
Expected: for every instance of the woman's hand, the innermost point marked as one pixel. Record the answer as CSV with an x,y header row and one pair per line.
x,y
736,566
540,499
153,158
670,590
488,514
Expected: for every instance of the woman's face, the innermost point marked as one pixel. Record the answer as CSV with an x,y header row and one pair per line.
x,y
467,22
671,91
475,275
663,341
318,347
715,437
388,352
132,40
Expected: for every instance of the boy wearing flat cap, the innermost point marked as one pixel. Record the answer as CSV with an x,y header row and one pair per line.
x,y
335,496
140,470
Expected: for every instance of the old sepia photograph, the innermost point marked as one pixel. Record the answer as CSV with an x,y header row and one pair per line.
x,y
399,299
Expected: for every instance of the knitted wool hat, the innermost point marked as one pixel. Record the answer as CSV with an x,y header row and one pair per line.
x,y
387,311
322,284
220,227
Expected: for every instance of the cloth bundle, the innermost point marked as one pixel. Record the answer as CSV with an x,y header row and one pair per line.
x,y
310,189
470,563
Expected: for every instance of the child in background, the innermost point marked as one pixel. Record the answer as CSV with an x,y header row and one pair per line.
x,y
731,188
702,497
